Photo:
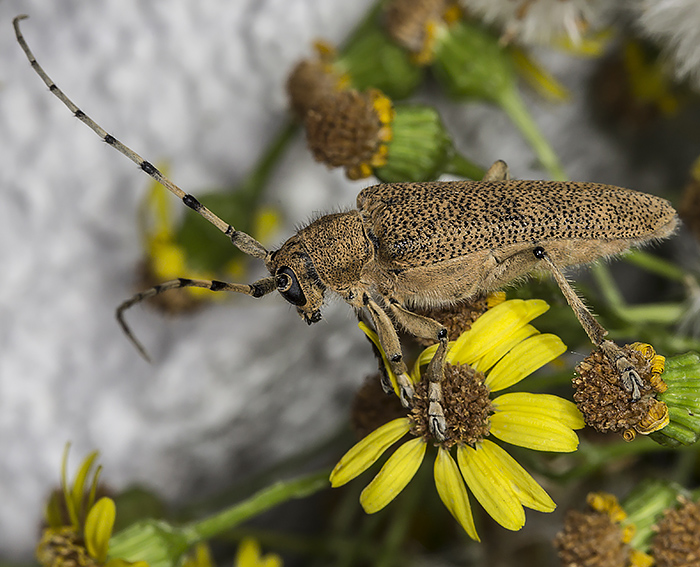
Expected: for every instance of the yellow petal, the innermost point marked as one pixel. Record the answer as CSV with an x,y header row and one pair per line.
x,y
496,353
453,492
494,327
531,425
523,359
98,528
271,560
365,453
529,492
396,473
125,563
200,556
537,76
546,405
248,553
76,494
375,339
490,487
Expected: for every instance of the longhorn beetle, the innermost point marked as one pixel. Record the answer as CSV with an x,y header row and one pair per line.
x,y
414,245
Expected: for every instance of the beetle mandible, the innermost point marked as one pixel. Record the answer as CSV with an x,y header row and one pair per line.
x,y
418,245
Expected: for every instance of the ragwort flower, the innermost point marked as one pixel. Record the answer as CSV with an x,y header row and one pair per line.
x,y
607,406
79,529
601,535
499,350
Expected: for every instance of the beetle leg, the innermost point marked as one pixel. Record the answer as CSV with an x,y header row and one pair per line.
x,y
631,381
389,340
497,172
425,327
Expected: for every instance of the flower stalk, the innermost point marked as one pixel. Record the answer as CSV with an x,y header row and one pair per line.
x,y
162,545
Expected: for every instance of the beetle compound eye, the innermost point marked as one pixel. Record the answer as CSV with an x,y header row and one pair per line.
x,y
288,286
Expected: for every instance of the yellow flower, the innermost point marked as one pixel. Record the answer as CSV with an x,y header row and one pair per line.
x,y
499,350
78,528
249,555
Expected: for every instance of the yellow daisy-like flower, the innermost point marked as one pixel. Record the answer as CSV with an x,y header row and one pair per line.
x,y
78,528
499,350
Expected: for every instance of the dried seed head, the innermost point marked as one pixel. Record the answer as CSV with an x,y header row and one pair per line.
x,y
592,539
466,405
460,317
63,547
349,129
413,24
677,542
606,406
372,407
313,79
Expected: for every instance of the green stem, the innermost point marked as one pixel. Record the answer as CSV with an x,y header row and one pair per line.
x,y
510,101
661,313
260,502
592,457
253,184
656,265
459,165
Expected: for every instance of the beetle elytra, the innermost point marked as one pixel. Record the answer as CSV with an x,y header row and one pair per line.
x,y
416,245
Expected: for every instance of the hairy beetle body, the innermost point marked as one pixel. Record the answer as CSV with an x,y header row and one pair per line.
x,y
440,242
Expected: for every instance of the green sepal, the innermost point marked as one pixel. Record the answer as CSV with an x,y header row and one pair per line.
x,y
682,376
420,146
372,60
470,63
153,541
644,506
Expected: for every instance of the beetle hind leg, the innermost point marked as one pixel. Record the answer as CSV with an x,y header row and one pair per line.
x,y
631,380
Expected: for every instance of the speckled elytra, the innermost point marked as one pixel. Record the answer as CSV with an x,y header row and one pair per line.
x,y
417,245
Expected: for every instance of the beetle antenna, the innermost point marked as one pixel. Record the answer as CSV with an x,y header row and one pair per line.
x,y
244,242
256,289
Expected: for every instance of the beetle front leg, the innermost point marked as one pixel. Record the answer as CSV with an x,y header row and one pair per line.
x,y
424,327
389,340
631,380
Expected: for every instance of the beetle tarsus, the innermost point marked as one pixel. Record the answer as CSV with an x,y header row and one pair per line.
x,y
405,390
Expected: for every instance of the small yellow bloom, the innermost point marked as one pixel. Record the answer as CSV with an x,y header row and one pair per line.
x,y
249,555
499,350
78,526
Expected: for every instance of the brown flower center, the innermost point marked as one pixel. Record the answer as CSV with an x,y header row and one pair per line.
x,y
591,538
466,404
63,547
606,406
677,542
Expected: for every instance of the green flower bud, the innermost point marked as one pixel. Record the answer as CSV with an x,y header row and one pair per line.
x,y
682,376
644,506
420,146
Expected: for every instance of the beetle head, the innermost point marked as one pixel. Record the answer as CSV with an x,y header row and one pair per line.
x,y
297,280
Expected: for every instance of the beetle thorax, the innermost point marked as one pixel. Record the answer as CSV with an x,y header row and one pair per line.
x,y
338,247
